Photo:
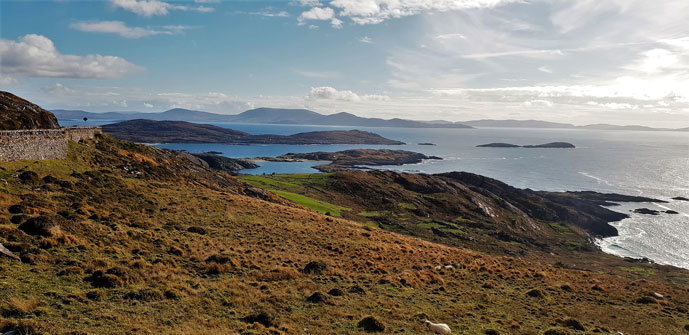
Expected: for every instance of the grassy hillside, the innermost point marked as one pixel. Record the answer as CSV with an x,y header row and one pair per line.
x,y
128,239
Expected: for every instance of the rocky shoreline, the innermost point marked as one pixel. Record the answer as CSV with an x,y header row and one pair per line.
x,y
355,159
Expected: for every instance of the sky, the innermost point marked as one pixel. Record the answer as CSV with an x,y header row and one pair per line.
x,y
575,61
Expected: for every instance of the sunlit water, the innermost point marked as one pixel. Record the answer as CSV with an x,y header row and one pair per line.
x,y
652,164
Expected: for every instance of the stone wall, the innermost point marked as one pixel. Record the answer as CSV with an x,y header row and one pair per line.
x,y
34,144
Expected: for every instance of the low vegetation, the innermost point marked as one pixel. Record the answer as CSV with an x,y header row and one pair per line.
x,y
151,243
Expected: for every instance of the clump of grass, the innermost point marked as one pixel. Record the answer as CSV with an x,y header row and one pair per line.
x,y
17,307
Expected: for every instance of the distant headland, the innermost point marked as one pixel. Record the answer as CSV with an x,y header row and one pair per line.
x,y
149,131
558,145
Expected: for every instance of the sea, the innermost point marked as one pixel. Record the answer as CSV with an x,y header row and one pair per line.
x,y
645,163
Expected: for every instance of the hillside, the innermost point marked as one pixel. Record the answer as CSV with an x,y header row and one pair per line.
x,y
460,209
17,113
124,238
149,131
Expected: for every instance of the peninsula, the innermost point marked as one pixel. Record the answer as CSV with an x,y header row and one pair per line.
x,y
149,131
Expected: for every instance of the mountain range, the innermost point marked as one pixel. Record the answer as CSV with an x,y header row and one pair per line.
x,y
258,115
557,125
307,117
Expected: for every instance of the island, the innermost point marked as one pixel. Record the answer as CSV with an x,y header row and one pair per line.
x,y
559,145
426,143
355,158
149,131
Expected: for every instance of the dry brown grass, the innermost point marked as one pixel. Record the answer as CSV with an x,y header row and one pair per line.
x,y
259,248
18,307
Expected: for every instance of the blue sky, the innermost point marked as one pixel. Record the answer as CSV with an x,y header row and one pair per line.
x,y
578,61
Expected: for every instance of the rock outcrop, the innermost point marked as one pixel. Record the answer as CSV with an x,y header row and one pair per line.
x,y
17,113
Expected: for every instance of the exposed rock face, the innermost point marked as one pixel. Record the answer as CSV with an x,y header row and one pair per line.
x,y
222,163
17,113
7,253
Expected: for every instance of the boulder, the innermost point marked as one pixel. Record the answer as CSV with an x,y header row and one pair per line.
x,y
316,298
646,211
573,324
42,226
336,292
263,318
371,325
314,267
5,252
29,177
535,293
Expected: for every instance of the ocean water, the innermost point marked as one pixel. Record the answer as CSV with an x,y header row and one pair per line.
x,y
652,164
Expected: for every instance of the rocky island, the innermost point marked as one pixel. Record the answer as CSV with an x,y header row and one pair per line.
x,y
149,131
559,145
351,159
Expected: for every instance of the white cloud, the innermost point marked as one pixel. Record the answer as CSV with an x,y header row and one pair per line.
x,y
330,93
545,69
320,14
113,98
657,60
538,102
317,74
149,8
120,28
317,13
366,39
376,11
450,36
510,53
36,56
336,23
271,14
309,3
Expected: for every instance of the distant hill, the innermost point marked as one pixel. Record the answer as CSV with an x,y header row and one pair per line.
x,y
17,113
551,145
150,131
258,115
517,124
176,114
547,124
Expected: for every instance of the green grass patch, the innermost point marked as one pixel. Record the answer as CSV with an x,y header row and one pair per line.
x,y
561,229
638,270
372,213
432,224
316,205
464,221
407,205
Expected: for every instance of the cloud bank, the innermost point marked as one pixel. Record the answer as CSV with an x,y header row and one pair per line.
x,y
36,56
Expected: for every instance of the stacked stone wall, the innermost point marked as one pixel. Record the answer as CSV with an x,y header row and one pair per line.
x,y
35,144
